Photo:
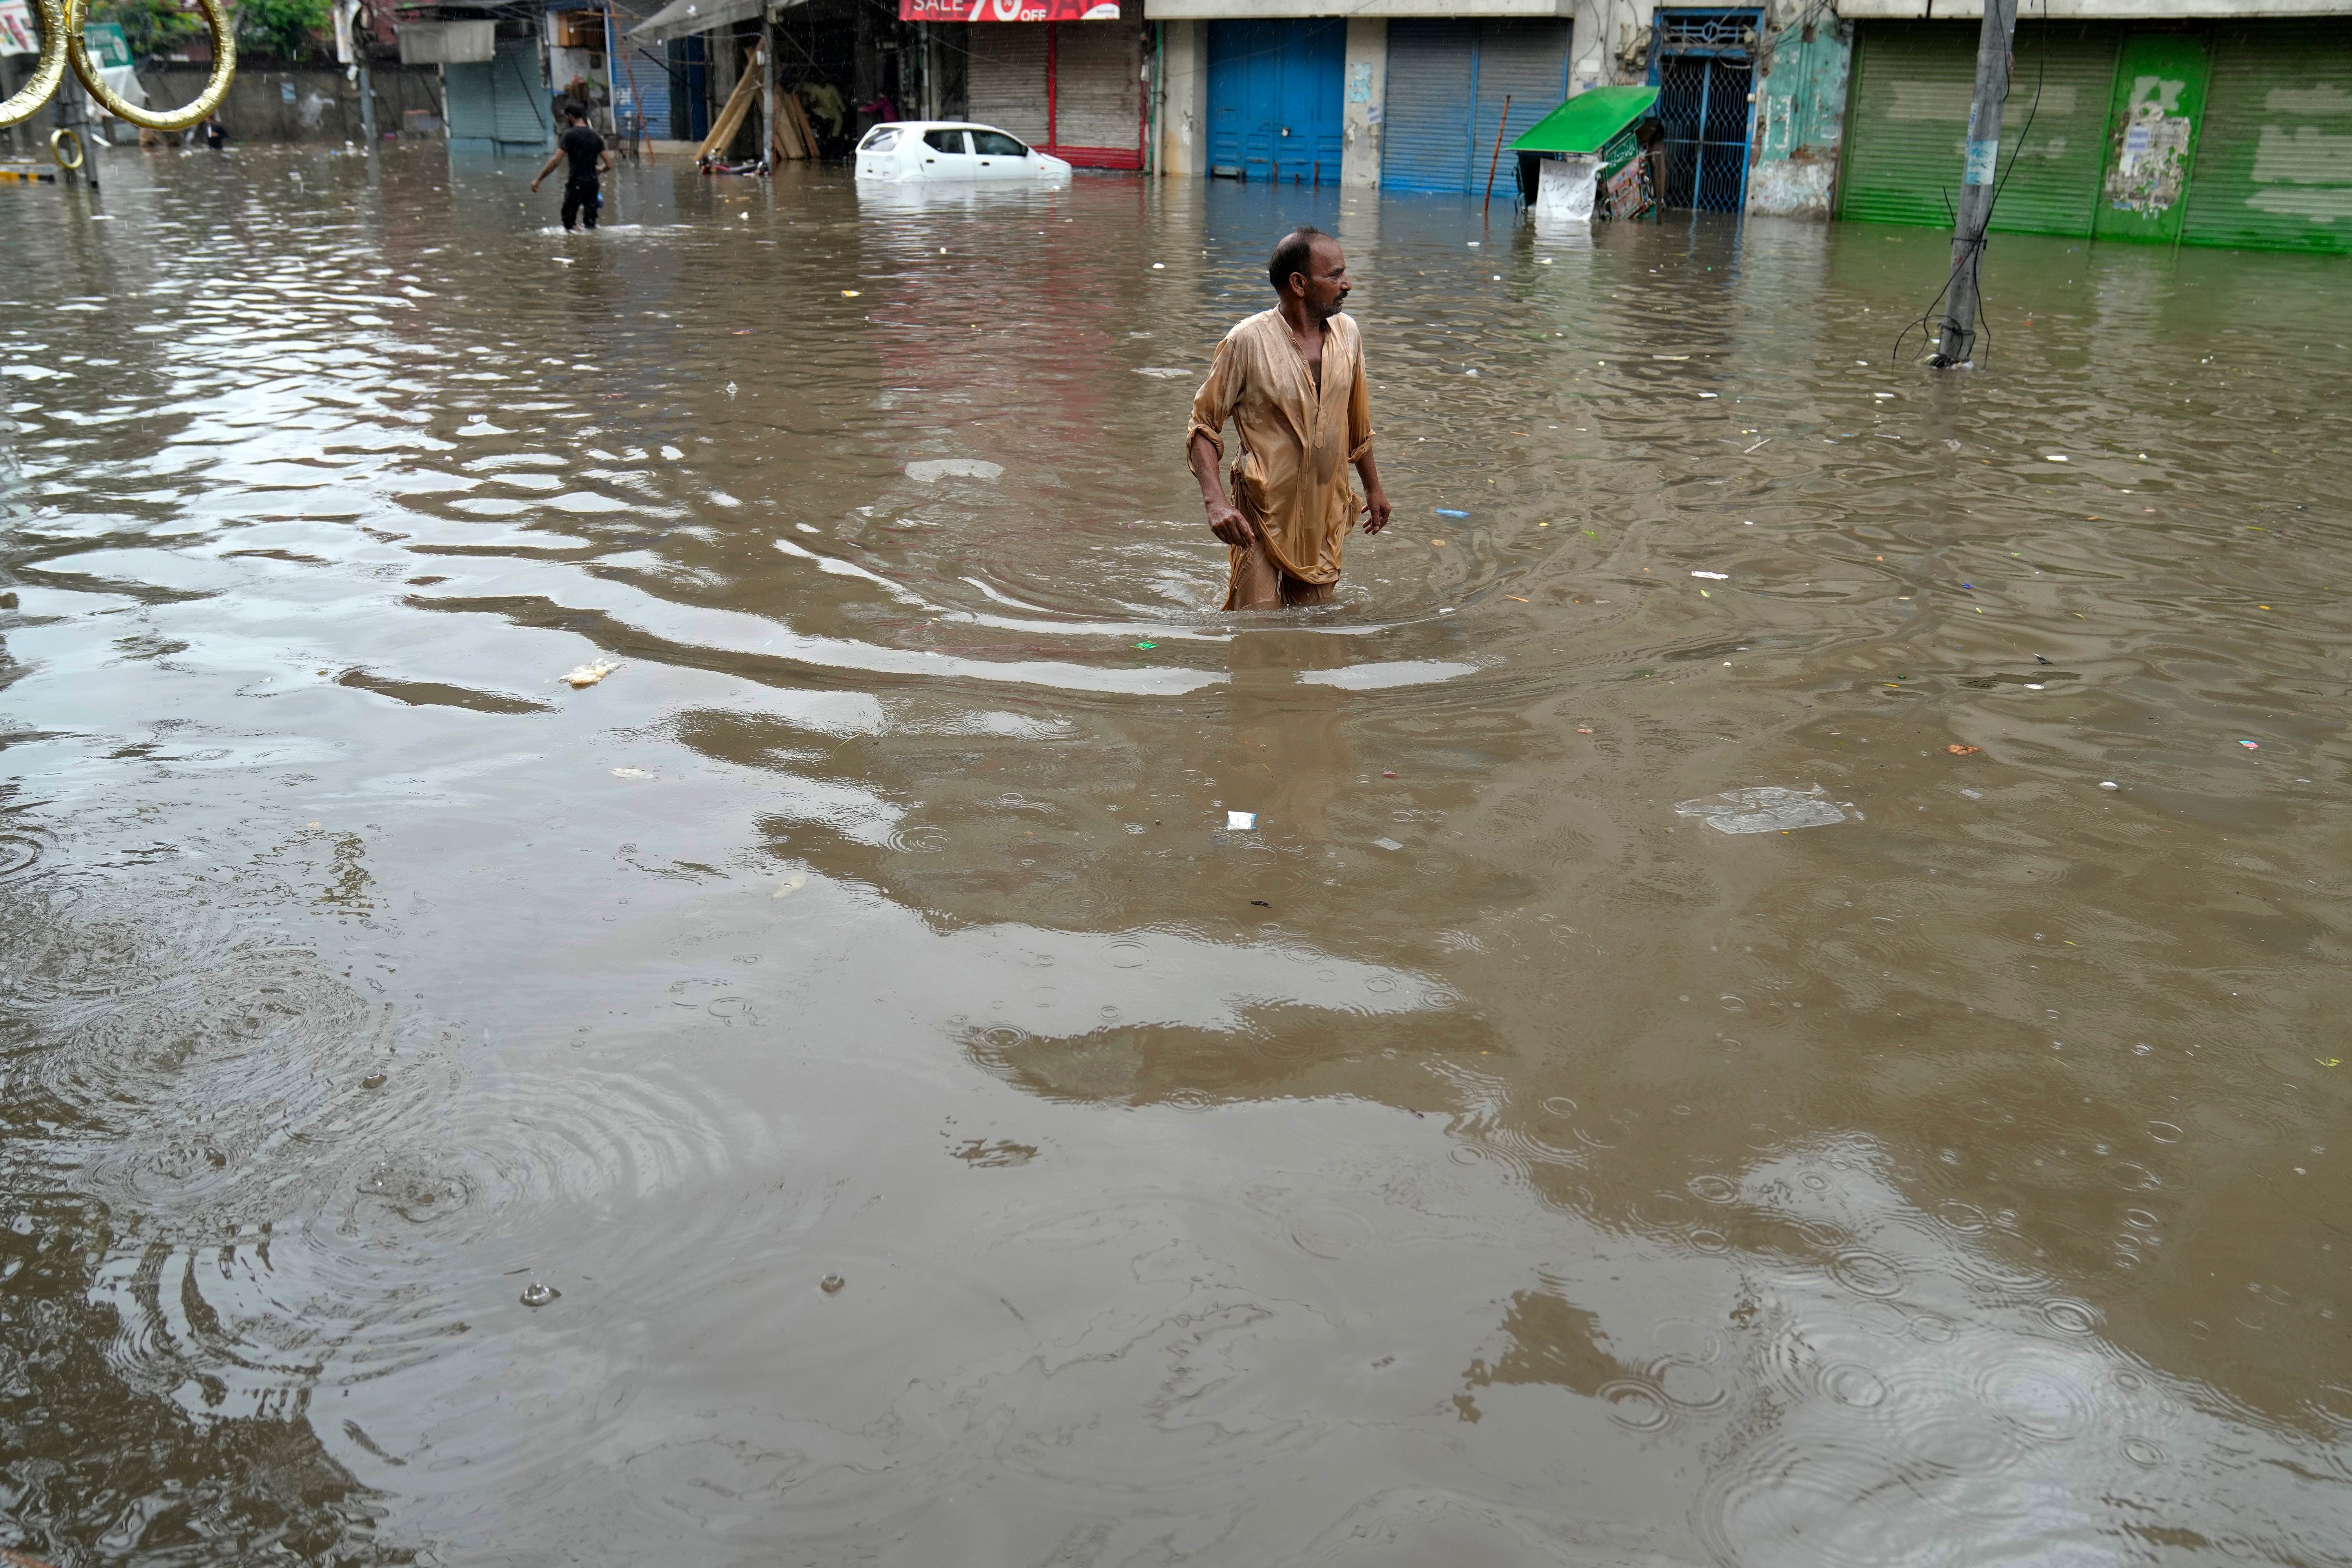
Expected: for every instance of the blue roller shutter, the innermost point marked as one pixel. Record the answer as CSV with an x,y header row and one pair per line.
x,y
1425,131
1274,99
1525,63
637,72
1447,84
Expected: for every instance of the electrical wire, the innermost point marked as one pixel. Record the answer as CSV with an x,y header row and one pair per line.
x,y
1924,323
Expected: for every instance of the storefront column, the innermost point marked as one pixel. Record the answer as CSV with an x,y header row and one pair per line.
x,y
1184,99
1365,101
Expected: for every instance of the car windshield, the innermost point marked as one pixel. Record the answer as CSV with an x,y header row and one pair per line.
x,y
881,139
944,141
996,144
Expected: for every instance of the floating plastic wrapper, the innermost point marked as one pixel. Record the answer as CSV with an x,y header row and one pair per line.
x,y
1766,808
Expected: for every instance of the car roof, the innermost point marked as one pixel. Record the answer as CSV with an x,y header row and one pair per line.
x,y
943,125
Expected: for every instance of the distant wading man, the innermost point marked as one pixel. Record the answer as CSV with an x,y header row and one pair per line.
x,y
588,158
1292,381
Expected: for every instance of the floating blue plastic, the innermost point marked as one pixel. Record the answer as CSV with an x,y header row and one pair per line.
x,y
1449,512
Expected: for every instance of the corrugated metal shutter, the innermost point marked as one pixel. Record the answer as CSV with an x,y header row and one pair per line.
x,y
1446,87
637,74
1527,63
522,113
1910,119
1908,116
1097,89
1005,86
2062,161
471,106
1426,129
2275,158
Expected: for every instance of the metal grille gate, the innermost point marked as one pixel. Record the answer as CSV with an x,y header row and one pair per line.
x,y
1704,66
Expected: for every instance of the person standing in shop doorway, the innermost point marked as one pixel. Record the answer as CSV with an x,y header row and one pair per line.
x,y
586,152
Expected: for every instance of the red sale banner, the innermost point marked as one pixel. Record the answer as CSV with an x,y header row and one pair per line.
x,y
1008,10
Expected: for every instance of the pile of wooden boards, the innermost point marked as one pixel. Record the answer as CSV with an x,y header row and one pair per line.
x,y
739,103
792,139
796,141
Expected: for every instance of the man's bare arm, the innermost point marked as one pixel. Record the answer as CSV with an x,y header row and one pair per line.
x,y
1225,519
1376,499
548,168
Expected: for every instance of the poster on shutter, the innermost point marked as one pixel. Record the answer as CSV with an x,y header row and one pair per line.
x,y
2152,156
1008,10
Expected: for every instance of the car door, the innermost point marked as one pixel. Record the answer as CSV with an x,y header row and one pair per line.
x,y
946,155
1000,157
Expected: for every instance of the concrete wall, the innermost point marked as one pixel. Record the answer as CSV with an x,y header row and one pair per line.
x,y
1799,117
1184,99
324,108
1364,100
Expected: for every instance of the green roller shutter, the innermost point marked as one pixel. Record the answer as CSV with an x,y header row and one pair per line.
x,y
1910,118
2275,158
2060,165
1906,119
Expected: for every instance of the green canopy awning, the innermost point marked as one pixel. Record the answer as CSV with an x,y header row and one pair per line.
x,y
1586,122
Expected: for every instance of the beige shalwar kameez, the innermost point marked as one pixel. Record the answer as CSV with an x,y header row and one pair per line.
x,y
1297,442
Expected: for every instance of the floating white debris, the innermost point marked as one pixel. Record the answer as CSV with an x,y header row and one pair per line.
x,y
2055,458
1713,577
1164,372
590,674
2109,783
631,773
791,885
1390,845
1240,821
1765,808
953,468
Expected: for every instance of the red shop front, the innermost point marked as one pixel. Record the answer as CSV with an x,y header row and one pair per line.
x,y
1065,76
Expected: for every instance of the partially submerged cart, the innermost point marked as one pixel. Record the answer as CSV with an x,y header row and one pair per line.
x,y
1587,159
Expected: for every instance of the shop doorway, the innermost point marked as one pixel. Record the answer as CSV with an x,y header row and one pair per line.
x,y
1703,64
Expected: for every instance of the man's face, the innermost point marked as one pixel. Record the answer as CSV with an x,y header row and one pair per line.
x,y
1327,280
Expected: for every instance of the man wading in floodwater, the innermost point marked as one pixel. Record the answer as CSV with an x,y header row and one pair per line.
x,y
1292,381
589,159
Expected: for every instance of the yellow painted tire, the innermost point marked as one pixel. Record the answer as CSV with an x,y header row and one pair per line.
x,y
63,141
34,94
224,33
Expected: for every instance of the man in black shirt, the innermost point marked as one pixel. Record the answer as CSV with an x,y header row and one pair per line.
x,y
586,149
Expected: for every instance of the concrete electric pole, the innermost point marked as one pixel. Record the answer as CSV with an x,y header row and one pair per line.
x,y
1958,327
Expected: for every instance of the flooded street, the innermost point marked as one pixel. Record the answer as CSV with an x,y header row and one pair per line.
x,y
931,1136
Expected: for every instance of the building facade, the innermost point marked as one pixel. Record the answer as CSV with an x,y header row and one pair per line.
x,y
2197,122
2181,121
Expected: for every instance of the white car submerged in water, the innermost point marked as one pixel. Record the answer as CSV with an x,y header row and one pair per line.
x,y
922,152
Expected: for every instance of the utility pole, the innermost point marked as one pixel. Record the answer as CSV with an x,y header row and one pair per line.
x,y
1958,334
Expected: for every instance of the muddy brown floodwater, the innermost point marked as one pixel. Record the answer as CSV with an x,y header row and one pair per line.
x,y
836,1092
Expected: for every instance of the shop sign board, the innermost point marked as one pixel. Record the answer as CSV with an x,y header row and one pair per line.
x,y
1008,10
